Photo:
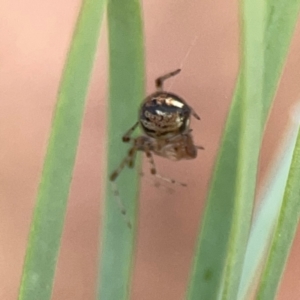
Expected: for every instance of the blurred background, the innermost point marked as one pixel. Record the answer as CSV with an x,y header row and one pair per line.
x,y
34,40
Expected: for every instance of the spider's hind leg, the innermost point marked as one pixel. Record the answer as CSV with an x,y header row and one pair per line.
x,y
200,147
195,114
119,201
153,171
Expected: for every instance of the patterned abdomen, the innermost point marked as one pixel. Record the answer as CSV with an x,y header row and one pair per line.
x,y
164,115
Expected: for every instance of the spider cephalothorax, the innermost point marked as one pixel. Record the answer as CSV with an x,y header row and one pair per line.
x,y
165,120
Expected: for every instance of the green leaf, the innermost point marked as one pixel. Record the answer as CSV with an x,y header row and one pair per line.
x,y
253,15
126,92
227,217
270,199
48,220
225,226
282,20
285,231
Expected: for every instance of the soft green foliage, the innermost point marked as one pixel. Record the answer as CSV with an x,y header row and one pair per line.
x,y
284,231
47,224
282,19
226,223
270,199
266,30
126,91
266,34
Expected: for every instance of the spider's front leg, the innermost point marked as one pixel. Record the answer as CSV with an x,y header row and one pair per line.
x,y
130,157
126,161
127,136
159,82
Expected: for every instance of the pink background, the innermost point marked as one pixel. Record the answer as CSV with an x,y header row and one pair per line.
x,y
34,39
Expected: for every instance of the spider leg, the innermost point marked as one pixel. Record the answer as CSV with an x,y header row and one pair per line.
x,y
153,170
131,161
195,114
124,162
119,201
128,160
126,137
190,147
200,147
159,82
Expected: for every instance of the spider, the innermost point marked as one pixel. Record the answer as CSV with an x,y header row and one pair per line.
x,y
165,120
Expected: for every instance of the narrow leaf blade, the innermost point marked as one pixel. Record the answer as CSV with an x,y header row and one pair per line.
x,y
126,91
285,231
221,242
270,199
48,219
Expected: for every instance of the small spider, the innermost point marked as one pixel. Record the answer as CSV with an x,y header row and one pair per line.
x,y
165,120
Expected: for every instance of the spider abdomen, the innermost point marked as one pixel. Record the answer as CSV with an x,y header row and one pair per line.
x,y
163,115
